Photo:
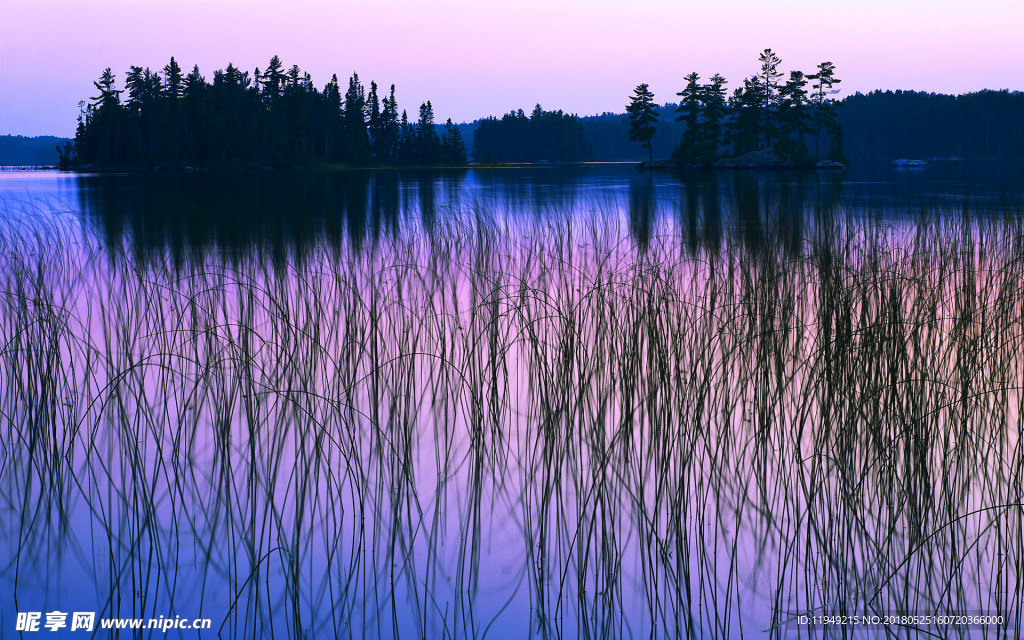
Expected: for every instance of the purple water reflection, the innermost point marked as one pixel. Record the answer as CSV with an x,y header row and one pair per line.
x,y
448,406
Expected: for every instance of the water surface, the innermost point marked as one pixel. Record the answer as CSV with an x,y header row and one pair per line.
x,y
526,402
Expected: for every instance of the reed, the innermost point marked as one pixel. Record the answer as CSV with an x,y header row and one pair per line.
x,y
488,429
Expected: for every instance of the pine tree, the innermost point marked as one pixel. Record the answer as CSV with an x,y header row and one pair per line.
x,y
272,79
453,147
291,121
373,117
406,149
195,83
715,109
170,117
792,117
389,129
746,105
769,82
104,118
331,118
823,105
643,117
294,78
428,146
358,147
136,87
196,116
174,87
689,112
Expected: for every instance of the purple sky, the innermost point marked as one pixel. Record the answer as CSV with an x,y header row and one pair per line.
x,y
482,57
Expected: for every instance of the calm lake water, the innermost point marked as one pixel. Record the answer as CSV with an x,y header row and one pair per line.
x,y
526,402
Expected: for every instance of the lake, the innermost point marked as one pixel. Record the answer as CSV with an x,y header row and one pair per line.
x,y
549,402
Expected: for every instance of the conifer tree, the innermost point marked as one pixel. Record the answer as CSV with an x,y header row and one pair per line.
x,y
170,116
105,117
358,147
643,117
823,105
195,83
428,145
109,96
272,79
689,112
374,122
715,109
768,79
453,147
136,87
406,151
174,87
196,116
793,116
331,118
746,105
390,132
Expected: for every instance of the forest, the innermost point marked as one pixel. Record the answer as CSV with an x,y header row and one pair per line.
x,y
794,116
274,117
29,151
893,124
876,126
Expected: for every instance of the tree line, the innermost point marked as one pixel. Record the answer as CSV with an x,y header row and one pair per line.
x,y
795,117
29,151
894,124
543,136
270,117
277,117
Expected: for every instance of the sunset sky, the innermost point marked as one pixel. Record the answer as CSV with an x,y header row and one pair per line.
x,y
477,58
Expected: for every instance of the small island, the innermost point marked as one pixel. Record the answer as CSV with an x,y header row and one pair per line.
x,y
766,123
271,118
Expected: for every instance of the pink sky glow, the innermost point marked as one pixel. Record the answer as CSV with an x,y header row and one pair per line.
x,y
478,58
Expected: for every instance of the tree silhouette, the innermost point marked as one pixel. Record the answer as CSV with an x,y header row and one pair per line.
x,y
374,121
689,111
643,117
768,79
453,147
356,136
792,116
825,118
428,145
406,149
104,117
271,80
389,129
715,111
174,85
747,105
